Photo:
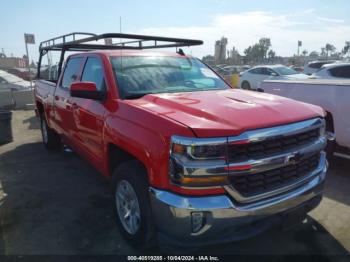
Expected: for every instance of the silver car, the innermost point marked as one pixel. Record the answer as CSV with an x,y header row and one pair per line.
x,y
11,82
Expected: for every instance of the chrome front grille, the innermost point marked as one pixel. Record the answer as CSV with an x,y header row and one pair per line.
x,y
259,183
274,159
260,163
271,146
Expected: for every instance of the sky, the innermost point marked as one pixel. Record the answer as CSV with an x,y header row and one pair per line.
x,y
314,22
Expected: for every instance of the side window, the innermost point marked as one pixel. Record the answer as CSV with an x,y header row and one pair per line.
x,y
71,72
270,72
340,71
256,71
346,72
93,72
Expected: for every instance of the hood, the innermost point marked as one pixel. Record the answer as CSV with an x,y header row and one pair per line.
x,y
227,112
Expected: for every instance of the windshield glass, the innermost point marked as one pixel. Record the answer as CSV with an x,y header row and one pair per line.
x,y
140,75
283,70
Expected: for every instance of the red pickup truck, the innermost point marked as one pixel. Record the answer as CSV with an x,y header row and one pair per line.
x,y
192,161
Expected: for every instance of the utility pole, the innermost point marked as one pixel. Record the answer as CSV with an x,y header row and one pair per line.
x,y
29,39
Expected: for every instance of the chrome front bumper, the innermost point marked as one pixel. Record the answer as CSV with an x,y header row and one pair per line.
x,y
227,219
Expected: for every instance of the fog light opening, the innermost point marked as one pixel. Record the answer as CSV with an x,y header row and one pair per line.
x,y
198,221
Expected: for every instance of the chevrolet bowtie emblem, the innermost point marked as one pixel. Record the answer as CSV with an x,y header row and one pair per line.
x,y
292,158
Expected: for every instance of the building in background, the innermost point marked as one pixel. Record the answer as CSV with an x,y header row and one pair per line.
x,y
220,50
12,62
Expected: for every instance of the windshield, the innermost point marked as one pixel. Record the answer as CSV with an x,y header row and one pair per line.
x,y
140,75
283,70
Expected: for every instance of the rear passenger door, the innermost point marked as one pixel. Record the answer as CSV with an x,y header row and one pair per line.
x,y
89,114
63,120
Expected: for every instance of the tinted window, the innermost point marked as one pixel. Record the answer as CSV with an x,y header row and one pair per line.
x,y
258,71
268,71
93,72
318,65
140,75
71,72
283,70
340,71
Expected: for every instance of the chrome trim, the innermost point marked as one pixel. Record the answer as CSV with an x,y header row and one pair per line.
x,y
282,131
172,212
201,168
280,160
194,141
220,167
194,167
322,167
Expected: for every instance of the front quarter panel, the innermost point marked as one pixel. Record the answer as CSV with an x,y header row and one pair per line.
x,y
145,136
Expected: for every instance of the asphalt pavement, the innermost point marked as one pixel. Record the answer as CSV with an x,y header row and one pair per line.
x,y
55,203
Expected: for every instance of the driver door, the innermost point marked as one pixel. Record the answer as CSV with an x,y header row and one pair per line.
x,y
89,114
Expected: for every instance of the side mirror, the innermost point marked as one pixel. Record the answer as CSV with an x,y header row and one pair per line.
x,y
260,90
274,74
86,90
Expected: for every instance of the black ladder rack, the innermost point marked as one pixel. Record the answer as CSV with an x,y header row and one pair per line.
x,y
80,41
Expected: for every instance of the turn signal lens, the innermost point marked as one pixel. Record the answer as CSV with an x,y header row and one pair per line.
x,y
203,181
178,149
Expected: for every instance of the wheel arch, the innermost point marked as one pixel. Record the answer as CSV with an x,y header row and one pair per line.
x,y
117,156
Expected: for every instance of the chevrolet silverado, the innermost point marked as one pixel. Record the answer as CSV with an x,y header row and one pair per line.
x,y
191,160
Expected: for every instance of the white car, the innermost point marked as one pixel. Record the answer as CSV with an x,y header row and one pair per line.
x,y
314,66
11,82
252,78
330,94
336,70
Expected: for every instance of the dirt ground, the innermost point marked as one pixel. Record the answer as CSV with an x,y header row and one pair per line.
x,y
56,204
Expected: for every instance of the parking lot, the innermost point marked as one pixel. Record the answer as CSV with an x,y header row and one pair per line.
x,y
55,203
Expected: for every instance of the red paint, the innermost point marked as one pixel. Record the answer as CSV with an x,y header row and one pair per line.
x,y
239,168
143,127
83,86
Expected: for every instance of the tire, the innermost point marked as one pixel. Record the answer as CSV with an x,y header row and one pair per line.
x,y
246,86
132,176
51,140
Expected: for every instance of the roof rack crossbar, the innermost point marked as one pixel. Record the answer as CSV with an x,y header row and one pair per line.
x,y
52,44
81,41
53,41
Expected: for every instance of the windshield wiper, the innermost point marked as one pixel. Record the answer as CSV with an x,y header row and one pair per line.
x,y
135,96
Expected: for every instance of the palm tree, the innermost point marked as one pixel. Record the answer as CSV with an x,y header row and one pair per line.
x,y
329,49
346,48
305,52
323,51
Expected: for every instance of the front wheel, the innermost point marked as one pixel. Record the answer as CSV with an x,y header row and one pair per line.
x,y
246,85
50,139
132,205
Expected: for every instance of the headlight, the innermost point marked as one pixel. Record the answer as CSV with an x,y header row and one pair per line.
x,y
198,153
199,149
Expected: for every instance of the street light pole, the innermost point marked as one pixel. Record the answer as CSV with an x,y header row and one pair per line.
x,y
28,66
29,39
